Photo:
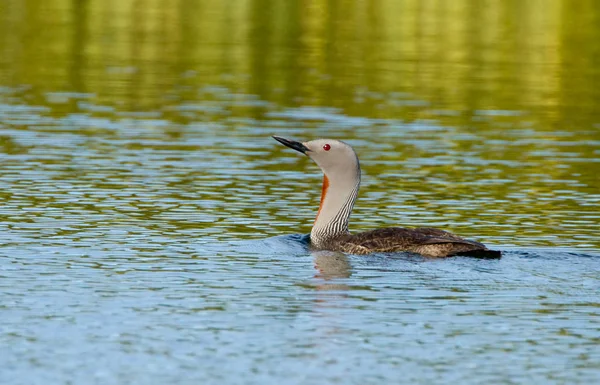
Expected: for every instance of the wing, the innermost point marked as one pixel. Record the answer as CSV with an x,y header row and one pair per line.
x,y
441,236
426,241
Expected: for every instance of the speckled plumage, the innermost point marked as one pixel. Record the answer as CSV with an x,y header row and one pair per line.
x,y
425,241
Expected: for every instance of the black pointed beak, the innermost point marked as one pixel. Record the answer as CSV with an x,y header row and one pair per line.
x,y
292,144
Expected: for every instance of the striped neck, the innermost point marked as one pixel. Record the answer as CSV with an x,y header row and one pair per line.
x,y
337,200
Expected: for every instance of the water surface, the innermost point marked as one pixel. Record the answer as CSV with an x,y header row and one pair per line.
x,y
151,231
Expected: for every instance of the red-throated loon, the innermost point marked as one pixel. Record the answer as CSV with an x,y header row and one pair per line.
x,y
341,182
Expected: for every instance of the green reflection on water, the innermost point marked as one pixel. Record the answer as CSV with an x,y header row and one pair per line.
x,y
481,117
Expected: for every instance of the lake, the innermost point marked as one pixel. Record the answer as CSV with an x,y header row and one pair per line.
x,y
152,231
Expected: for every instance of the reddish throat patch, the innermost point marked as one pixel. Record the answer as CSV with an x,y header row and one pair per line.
x,y
323,194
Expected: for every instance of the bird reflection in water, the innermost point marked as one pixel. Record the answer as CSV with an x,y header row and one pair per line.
x,y
331,265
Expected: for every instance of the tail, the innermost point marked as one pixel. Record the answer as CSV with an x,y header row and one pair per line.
x,y
484,254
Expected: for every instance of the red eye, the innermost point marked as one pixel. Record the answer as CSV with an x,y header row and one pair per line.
x,y
326,147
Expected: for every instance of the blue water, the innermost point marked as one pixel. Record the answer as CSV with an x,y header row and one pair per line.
x,y
159,310
135,252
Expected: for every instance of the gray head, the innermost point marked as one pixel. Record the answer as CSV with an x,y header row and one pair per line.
x,y
334,157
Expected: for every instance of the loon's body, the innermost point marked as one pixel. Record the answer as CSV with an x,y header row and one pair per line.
x,y
341,182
